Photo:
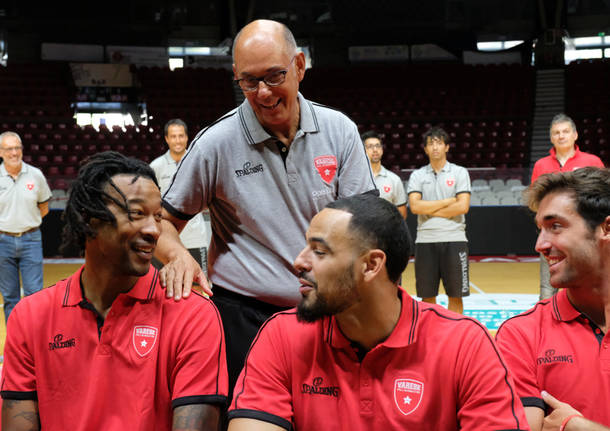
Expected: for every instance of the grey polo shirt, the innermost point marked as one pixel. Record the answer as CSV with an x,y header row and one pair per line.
x,y
390,187
449,182
260,205
196,233
19,198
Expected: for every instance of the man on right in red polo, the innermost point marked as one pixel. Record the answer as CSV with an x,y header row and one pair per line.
x,y
559,351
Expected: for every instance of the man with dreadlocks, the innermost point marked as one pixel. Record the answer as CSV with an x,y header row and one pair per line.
x,y
104,348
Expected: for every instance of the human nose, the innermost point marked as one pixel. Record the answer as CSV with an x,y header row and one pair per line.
x,y
542,243
302,261
152,227
263,89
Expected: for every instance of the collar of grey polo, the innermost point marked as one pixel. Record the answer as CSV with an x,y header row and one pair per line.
x,y
257,133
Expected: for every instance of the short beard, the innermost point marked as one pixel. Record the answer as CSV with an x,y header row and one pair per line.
x,y
344,297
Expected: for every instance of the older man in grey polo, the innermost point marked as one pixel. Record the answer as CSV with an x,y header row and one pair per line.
x,y
439,193
24,201
263,170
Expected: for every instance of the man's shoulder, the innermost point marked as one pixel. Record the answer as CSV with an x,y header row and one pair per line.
x,y
592,159
196,306
528,321
158,162
419,172
40,303
33,171
456,168
391,174
439,319
328,114
285,327
224,127
543,160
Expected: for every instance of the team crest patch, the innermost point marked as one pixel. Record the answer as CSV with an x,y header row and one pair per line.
x,y
30,186
326,166
387,189
408,394
450,182
144,339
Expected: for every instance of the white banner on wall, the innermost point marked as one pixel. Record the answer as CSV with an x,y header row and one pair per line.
x,y
477,57
430,51
71,52
101,75
378,53
138,55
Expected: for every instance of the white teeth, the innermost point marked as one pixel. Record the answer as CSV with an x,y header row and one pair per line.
x,y
271,106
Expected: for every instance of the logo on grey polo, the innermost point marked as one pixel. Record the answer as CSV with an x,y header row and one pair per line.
x,y
248,169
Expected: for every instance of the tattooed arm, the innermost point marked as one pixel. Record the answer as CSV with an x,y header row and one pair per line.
x,y
196,417
20,415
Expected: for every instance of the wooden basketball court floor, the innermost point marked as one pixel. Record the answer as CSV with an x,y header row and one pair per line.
x,y
490,281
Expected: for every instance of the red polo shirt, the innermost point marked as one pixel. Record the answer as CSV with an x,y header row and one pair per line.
x,y
437,370
150,355
553,347
549,164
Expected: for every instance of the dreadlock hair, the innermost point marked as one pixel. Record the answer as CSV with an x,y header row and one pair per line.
x,y
89,199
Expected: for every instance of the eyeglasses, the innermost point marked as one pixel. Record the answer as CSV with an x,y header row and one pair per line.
x,y
272,79
9,149
373,146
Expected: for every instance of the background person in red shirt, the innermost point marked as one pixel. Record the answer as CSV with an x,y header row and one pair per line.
x,y
564,157
562,346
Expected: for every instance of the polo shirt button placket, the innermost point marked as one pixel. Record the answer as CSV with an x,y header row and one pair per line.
x,y
366,393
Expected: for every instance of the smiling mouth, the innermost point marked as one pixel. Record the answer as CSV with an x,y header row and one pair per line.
x,y
272,106
552,260
145,251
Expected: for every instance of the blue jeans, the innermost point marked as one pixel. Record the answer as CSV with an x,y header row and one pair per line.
x,y
17,254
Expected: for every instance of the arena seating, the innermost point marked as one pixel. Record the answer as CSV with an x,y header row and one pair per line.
x,y
36,102
198,96
487,110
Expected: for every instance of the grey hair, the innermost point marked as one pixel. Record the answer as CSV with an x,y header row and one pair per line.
x,y
562,118
13,134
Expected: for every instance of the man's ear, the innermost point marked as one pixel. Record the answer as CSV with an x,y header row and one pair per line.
x,y
300,65
373,264
606,227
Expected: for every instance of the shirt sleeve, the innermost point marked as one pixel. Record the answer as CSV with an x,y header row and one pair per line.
x,y
598,163
463,181
44,192
536,172
487,398
18,372
355,175
263,389
190,190
515,344
199,375
155,165
415,183
401,196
